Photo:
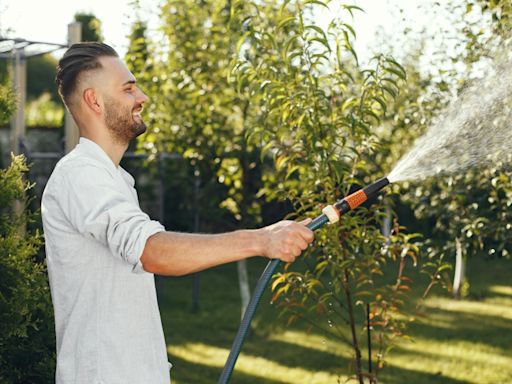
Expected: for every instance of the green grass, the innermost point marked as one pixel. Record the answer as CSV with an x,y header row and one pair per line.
x,y
465,341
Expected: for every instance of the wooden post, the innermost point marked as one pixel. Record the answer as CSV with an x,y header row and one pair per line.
x,y
19,73
71,130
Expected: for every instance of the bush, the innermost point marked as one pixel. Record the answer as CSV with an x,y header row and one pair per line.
x,y
7,103
27,338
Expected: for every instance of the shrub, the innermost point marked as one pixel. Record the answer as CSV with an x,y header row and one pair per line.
x,y
27,338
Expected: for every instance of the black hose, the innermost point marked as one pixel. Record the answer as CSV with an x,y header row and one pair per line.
x,y
265,277
342,206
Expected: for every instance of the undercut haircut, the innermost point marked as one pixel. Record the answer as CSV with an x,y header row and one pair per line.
x,y
79,58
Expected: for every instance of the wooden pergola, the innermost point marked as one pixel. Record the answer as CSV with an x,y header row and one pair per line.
x,y
17,51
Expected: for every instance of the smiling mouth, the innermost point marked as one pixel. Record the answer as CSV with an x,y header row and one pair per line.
x,y
137,113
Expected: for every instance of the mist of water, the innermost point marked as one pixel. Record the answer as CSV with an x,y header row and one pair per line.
x,y
475,130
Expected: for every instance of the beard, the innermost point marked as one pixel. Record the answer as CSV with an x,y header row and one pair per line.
x,y
121,123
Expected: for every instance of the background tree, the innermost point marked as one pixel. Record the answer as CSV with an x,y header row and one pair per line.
x,y
320,116
41,72
195,112
27,337
44,107
91,26
138,52
466,213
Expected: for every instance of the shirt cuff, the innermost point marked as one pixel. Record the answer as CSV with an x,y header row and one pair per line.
x,y
149,230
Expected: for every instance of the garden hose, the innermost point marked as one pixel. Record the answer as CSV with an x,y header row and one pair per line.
x,y
330,214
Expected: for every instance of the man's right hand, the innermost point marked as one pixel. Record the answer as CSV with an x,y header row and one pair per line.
x,y
285,240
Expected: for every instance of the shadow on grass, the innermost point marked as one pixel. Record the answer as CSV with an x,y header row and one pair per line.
x,y
185,372
217,321
397,375
479,328
293,355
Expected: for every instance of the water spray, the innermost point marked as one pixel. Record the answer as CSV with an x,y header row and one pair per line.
x,y
330,214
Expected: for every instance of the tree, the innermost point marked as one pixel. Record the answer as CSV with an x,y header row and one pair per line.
x,y
196,113
137,55
27,337
41,72
91,27
468,212
7,103
320,116
44,107
244,90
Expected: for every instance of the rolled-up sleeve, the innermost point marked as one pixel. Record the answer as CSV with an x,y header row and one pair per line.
x,y
98,208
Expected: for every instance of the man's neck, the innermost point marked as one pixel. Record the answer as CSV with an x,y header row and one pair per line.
x,y
113,149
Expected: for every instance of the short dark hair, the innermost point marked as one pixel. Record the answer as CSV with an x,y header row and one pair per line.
x,y
80,57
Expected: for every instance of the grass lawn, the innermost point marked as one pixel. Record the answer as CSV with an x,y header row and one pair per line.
x,y
466,341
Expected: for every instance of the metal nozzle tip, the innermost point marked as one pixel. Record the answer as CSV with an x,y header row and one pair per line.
x,y
373,188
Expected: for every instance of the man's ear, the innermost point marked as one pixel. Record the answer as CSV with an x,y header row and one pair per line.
x,y
92,100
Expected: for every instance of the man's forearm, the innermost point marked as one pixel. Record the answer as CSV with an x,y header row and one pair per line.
x,y
174,253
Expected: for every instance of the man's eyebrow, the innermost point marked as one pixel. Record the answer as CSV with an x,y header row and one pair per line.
x,y
129,82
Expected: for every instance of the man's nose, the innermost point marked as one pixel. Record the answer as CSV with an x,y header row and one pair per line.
x,y
142,97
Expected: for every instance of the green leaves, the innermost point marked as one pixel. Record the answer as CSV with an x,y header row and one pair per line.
x,y
317,127
27,314
7,103
287,20
266,76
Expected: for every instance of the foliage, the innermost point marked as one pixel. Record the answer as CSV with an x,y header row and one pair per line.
x,y
196,113
470,207
452,345
27,334
41,72
91,26
319,123
138,52
226,72
478,201
7,103
40,88
43,111
486,225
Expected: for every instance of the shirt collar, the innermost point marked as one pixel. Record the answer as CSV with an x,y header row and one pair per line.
x,y
93,149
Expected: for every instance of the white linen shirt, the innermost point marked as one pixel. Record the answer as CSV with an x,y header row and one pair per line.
x,y
107,321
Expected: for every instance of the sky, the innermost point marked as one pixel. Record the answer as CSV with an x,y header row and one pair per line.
x,y
47,20
28,18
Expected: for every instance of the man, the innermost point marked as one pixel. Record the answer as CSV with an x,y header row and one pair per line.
x,y
102,250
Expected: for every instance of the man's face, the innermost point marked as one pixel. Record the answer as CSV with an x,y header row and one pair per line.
x,y
122,101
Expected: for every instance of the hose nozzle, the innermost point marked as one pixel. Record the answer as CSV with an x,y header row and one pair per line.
x,y
357,198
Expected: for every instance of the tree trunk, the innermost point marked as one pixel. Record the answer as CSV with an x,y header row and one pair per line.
x,y
355,343
387,223
247,190
243,281
459,277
